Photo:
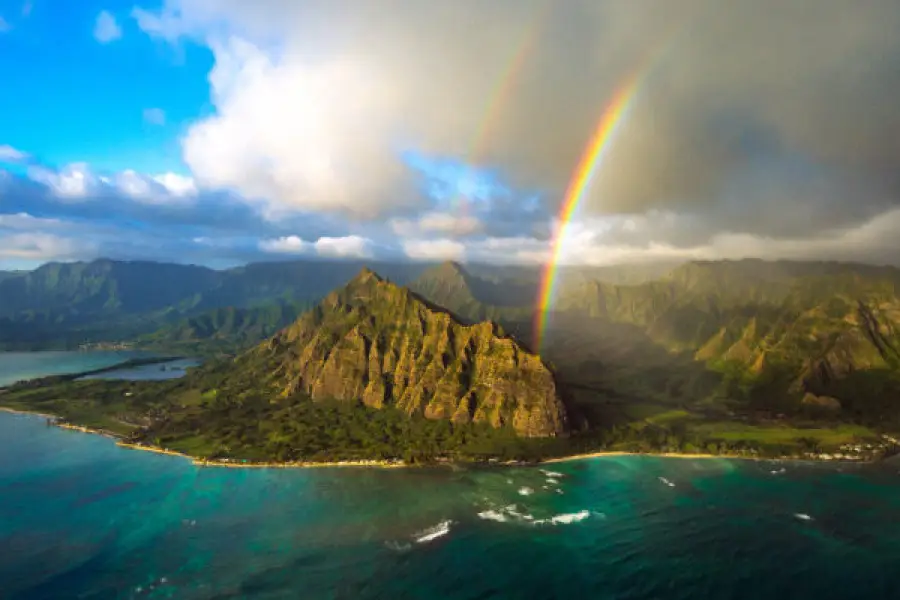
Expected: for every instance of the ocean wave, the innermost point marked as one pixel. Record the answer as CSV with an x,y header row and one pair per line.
x,y
525,491
552,474
492,515
803,516
552,481
666,481
505,514
433,533
565,518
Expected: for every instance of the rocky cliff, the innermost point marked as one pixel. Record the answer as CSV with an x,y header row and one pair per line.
x,y
382,344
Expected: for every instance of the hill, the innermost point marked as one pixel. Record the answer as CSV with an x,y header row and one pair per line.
x,y
64,305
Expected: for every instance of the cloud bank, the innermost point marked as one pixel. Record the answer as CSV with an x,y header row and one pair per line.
x,y
451,129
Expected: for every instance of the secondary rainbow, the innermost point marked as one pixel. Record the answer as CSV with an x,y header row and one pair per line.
x,y
597,148
502,90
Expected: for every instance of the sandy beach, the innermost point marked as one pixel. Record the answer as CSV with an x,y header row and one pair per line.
x,y
622,453
380,464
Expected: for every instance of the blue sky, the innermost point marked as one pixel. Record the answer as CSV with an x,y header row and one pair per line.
x,y
221,132
77,100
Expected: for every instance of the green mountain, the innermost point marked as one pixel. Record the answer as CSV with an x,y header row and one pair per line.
x,y
379,343
812,339
226,329
372,371
68,304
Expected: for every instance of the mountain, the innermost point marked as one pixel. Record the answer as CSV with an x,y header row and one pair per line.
x,y
225,329
475,298
380,343
744,357
67,304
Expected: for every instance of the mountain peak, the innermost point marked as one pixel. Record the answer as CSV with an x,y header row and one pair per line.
x,y
385,346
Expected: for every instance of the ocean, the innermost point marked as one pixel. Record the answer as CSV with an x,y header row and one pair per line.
x,y
83,518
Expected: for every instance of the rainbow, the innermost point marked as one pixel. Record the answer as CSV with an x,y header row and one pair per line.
x,y
502,89
612,118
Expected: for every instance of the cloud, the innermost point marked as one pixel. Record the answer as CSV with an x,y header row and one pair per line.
x,y
10,154
24,237
154,116
290,244
430,250
316,103
348,246
106,29
76,182
437,222
337,247
73,182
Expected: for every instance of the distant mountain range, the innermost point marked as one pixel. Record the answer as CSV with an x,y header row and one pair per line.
x,y
64,305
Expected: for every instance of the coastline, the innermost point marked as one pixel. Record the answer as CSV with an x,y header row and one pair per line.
x,y
390,464
28,412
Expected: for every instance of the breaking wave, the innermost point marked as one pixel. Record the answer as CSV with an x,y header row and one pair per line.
x,y
433,533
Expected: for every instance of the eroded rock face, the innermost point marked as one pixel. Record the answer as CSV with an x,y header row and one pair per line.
x,y
379,343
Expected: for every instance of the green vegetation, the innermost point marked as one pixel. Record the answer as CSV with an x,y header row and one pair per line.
x,y
744,357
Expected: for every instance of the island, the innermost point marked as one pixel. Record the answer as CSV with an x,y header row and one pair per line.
x,y
377,374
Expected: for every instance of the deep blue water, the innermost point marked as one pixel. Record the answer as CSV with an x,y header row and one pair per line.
x,y
82,518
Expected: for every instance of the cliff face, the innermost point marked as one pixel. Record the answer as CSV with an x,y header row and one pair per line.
x,y
379,343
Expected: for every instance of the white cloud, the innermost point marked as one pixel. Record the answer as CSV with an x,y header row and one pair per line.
x,y
439,222
160,189
106,29
290,244
72,182
301,136
440,249
348,246
343,247
26,222
155,116
177,185
77,182
10,154
43,247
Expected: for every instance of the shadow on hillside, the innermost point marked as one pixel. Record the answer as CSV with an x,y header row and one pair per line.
x,y
606,366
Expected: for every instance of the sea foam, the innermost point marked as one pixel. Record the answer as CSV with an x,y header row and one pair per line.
x,y
565,518
433,533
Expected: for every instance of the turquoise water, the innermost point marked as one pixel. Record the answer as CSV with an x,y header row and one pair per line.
x,y
81,518
29,365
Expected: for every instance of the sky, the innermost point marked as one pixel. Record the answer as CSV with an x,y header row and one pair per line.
x,y
219,132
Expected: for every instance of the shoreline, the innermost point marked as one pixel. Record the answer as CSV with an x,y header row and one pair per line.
x,y
394,464
15,411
